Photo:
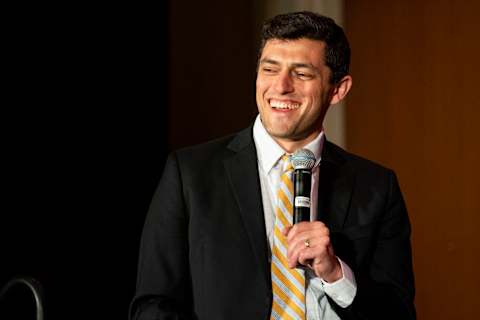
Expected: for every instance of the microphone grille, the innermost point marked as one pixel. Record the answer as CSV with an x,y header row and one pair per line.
x,y
303,159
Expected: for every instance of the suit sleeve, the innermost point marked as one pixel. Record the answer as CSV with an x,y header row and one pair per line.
x,y
163,281
385,285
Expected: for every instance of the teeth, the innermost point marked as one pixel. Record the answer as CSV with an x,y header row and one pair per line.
x,y
284,105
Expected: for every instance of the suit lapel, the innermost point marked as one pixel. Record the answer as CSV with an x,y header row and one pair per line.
x,y
242,170
335,188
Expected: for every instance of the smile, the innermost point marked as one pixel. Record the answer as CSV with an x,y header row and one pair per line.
x,y
283,105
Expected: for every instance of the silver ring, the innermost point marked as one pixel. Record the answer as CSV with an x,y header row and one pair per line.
x,y
307,243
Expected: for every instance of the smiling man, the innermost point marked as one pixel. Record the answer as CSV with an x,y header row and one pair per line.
x,y
295,90
223,246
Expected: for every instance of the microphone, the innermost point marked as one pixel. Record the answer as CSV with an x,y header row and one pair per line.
x,y
303,161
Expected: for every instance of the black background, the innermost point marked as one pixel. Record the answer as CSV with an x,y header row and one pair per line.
x,y
84,109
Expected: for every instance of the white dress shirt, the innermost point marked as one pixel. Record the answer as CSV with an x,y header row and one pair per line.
x,y
269,152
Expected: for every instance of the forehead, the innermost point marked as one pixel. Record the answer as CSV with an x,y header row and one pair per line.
x,y
294,51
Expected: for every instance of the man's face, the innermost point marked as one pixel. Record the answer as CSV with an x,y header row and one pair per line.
x,y
293,89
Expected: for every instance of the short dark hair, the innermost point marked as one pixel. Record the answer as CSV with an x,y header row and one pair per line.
x,y
309,25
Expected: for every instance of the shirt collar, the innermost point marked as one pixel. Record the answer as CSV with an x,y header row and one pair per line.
x,y
268,150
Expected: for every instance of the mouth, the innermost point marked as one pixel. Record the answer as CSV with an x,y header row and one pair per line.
x,y
284,105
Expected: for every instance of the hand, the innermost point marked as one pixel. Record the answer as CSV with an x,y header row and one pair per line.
x,y
318,256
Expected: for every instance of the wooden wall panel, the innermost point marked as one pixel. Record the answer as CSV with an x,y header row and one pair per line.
x,y
415,107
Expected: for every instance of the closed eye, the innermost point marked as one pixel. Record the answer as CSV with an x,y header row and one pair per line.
x,y
304,75
268,70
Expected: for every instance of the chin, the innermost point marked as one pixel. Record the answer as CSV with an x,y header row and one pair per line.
x,y
281,134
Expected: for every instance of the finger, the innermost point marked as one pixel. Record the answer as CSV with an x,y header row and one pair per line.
x,y
307,258
298,240
327,268
313,236
294,230
286,230
312,256
302,241
293,250
321,259
306,226
318,250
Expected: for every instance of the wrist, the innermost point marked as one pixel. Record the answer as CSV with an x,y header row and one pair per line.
x,y
335,274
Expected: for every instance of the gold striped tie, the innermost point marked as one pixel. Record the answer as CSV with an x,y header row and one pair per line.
x,y
288,285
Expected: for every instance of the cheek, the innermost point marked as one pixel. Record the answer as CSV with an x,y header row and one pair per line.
x,y
259,93
262,84
258,90
315,99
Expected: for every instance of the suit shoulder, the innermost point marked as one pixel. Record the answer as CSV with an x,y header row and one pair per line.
x,y
213,151
371,176
209,147
356,162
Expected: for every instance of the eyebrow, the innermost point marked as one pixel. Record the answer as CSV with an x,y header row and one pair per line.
x,y
271,61
295,64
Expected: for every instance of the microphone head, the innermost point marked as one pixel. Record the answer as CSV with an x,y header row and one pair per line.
x,y
303,159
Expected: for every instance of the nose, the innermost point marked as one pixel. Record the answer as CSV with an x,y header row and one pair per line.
x,y
283,83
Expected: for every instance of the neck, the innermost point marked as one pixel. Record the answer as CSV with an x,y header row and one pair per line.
x,y
290,145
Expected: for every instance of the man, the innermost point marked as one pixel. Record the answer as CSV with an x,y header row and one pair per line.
x,y
218,241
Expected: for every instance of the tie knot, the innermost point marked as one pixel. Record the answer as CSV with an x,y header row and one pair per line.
x,y
287,164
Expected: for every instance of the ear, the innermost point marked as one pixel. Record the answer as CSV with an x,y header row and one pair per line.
x,y
341,89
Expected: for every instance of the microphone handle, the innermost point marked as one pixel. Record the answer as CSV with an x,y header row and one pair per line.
x,y
302,179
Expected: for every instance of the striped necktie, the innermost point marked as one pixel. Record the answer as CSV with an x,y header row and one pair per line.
x,y
288,285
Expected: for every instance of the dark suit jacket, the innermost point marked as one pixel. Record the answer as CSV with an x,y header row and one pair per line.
x,y
204,248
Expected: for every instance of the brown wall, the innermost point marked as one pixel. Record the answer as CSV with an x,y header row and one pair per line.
x,y
415,107
211,69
